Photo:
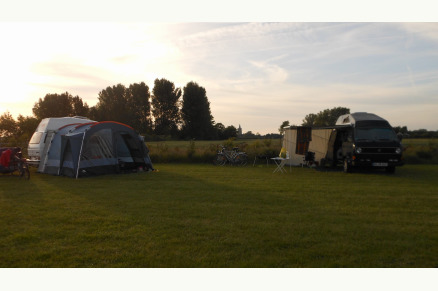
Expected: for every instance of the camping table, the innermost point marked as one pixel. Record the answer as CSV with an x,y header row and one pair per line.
x,y
280,162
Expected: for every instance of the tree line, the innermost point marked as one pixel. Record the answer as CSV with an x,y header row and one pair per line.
x,y
165,113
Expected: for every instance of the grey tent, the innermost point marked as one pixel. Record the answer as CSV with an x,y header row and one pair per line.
x,y
95,148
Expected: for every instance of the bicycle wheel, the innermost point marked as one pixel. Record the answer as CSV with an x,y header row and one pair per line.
x,y
24,172
220,160
241,159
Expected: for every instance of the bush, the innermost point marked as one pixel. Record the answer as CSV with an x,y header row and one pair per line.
x,y
200,152
415,152
230,142
424,152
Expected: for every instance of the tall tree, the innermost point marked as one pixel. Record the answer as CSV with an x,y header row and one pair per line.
x,y
79,108
140,107
127,105
112,105
165,107
57,105
196,115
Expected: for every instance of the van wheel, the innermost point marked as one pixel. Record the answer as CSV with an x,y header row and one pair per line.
x,y
347,166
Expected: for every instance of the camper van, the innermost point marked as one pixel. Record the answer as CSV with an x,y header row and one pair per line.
x,y
44,133
365,140
357,140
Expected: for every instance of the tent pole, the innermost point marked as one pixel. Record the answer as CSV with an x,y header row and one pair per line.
x,y
80,153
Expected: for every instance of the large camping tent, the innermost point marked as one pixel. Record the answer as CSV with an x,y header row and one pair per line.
x,y
298,140
94,148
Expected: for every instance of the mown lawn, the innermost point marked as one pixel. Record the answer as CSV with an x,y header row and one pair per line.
x,y
199,215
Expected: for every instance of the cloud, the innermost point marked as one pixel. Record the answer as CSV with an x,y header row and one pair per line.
x,y
427,31
256,74
289,70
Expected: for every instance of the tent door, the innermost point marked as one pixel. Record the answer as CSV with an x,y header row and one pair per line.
x,y
134,148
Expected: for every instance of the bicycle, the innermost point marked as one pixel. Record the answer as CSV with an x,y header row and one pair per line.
x,y
233,157
17,164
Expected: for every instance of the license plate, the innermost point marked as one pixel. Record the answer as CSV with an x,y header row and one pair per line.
x,y
380,164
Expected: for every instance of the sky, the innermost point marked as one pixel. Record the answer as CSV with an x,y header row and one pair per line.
x,y
257,71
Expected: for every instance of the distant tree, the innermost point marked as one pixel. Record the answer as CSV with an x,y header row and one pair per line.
x,y
197,121
282,126
59,105
223,132
309,120
165,107
249,134
219,128
401,129
327,117
420,133
272,136
138,96
229,132
26,126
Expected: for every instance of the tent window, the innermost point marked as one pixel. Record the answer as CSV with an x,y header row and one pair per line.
x,y
98,146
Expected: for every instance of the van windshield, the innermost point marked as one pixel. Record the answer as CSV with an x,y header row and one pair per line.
x,y
375,134
36,138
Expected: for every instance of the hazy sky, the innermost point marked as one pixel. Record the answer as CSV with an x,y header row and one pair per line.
x,y
256,74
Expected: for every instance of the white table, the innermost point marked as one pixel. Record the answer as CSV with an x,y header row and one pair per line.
x,y
280,162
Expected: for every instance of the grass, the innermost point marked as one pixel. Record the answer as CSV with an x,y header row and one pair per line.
x,y
188,215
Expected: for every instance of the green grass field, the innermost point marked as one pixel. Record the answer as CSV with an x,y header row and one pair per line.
x,y
199,215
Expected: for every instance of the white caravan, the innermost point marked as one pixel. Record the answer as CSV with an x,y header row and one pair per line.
x,y
44,133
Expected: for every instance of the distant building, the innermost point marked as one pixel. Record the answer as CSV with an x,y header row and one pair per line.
x,y
239,131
